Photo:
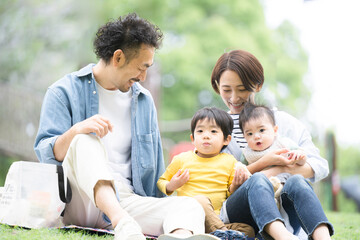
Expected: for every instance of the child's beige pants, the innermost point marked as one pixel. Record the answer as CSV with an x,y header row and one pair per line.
x,y
213,222
85,164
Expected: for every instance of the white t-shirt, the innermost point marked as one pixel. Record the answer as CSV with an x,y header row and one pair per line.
x,y
116,106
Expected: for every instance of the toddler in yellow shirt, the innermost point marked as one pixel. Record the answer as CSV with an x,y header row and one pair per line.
x,y
207,174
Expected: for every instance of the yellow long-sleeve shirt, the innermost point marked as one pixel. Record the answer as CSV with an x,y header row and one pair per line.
x,y
210,177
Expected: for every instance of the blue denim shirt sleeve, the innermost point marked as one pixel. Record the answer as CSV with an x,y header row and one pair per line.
x,y
69,100
51,127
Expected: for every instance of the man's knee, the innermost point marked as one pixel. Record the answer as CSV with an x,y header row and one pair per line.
x,y
86,144
189,204
85,139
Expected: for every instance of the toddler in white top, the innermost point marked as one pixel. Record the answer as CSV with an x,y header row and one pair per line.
x,y
257,122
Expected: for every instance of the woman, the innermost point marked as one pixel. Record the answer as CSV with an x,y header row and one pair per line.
x,y
236,77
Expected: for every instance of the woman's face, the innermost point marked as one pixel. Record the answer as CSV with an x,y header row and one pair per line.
x,y
233,92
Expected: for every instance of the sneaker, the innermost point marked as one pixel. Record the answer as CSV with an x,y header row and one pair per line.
x,y
128,229
229,235
170,236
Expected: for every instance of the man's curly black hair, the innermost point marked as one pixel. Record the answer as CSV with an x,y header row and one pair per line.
x,y
127,33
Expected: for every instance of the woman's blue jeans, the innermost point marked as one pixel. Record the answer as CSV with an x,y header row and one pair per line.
x,y
253,203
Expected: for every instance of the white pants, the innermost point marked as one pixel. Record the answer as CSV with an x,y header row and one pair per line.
x,y
85,164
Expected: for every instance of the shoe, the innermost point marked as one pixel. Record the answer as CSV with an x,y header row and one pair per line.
x,y
170,236
128,229
229,235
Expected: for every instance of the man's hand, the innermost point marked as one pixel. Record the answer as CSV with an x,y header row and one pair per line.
x,y
178,180
96,124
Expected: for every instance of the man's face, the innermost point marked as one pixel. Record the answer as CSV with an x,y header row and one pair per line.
x,y
126,73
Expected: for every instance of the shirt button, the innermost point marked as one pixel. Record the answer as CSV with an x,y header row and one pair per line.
x,y
89,81
94,92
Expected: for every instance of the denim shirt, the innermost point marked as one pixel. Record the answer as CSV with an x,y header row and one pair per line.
x,y
74,98
292,128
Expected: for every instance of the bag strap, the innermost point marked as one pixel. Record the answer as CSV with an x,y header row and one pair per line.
x,y
67,198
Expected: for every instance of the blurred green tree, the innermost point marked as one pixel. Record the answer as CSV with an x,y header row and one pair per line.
x,y
198,32
42,40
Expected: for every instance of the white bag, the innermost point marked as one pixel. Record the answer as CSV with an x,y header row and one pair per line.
x,y
34,195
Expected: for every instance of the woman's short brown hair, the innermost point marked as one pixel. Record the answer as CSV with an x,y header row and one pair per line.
x,y
244,64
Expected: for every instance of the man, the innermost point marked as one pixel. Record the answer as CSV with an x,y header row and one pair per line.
x,y
109,143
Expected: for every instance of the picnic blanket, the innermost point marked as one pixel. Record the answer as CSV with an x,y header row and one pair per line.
x,y
97,230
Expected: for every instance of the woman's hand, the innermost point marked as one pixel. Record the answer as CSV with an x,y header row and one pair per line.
x,y
178,180
272,158
278,157
298,156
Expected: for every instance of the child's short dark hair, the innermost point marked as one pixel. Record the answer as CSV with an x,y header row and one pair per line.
x,y
221,118
252,111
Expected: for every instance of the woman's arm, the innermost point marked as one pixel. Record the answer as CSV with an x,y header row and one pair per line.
x,y
304,170
257,166
292,128
272,158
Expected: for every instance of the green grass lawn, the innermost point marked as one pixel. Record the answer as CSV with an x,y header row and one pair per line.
x,y
347,226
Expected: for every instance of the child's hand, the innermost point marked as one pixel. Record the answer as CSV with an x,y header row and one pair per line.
x,y
240,176
178,180
240,165
297,156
